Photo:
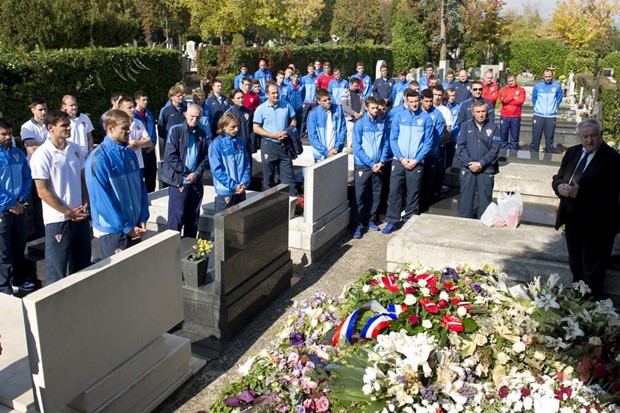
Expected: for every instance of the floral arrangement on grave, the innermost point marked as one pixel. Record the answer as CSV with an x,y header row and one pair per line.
x,y
438,341
201,250
299,205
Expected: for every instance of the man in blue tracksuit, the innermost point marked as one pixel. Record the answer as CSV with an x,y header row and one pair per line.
x,y
15,183
327,127
465,112
477,150
365,80
185,160
337,86
432,159
263,74
370,151
383,86
142,113
243,73
399,89
462,87
230,164
454,109
423,80
546,98
308,83
411,138
218,104
119,201
206,118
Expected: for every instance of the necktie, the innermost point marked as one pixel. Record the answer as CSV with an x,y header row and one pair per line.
x,y
362,83
579,170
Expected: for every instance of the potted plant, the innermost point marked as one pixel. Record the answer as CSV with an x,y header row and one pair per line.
x,y
194,266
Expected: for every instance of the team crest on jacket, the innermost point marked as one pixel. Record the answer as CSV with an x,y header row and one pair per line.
x,y
133,164
58,237
238,147
420,122
553,89
360,173
517,93
489,132
246,116
77,154
227,199
266,155
16,156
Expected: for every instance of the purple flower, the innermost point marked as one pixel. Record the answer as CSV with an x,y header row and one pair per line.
x,y
244,398
449,273
300,409
297,339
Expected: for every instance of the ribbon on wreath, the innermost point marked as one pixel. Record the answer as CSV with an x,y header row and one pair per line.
x,y
373,326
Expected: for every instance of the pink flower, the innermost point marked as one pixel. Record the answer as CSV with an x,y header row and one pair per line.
x,y
429,305
525,392
564,393
322,404
503,392
414,319
309,405
452,323
374,283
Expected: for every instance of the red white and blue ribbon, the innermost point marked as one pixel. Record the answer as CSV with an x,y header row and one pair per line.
x,y
373,326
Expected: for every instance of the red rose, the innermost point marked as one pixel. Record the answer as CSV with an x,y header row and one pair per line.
x,y
411,278
443,303
374,283
599,371
452,323
525,392
429,305
503,392
564,393
413,319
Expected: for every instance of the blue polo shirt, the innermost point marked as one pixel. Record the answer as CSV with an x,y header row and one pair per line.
x,y
274,118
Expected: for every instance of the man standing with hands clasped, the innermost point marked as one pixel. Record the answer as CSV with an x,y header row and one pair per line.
x,y
588,187
58,172
116,188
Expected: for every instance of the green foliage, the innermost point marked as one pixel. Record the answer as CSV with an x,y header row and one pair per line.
x,y
475,55
408,42
91,75
534,54
580,61
612,60
358,20
610,99
228,83
229,58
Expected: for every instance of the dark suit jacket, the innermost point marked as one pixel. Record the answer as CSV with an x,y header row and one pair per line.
x,y
596,206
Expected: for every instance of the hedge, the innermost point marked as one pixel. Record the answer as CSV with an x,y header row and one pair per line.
x,y
580,61
90,74
214,61
535,55
612,60
610,116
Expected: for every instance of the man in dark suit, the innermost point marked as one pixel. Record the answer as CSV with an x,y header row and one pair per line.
x,y
588,185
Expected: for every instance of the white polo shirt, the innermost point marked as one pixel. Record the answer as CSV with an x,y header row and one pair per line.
x,y
80,128
138,131
31,130
64,170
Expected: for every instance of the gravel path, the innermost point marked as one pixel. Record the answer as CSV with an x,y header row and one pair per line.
x,y
343,264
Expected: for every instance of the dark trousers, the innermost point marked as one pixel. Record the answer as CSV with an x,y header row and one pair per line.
x,y
589,250
510,126
307,107
226,201
440,171
367,194
150,169
450,152
114,243
37,212
540,125
184,205
67,249
407,183
428,182
275,157
12,245
386,171
470,184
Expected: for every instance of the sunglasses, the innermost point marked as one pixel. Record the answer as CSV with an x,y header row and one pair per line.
x,y
477,89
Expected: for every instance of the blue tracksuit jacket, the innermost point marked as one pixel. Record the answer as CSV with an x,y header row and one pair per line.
x,y
367,85
466,114
397,93
263,77
411,135
370,141
317,124
118,198
296,96
230,164
454,111
150,124
469,148
240,77
546,97
439,125
206,120
309,88
336,88
15,177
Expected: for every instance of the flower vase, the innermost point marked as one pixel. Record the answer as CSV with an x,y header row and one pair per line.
x,y
194,271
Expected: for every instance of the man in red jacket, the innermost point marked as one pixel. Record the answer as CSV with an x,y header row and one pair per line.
x,y
490,89
512,98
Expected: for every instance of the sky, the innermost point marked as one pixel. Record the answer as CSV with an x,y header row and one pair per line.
x,y
545,7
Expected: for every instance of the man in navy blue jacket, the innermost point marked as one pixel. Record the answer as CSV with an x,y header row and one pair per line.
x,y
185,160
477,150
142,113
119,201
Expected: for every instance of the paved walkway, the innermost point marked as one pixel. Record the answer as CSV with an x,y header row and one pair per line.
x,y
343,264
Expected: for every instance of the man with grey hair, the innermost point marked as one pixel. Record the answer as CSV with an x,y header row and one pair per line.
x,y
588,187
185,160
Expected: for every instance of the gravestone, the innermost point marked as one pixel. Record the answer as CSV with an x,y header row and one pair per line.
x,y
250,266
326,209
93,340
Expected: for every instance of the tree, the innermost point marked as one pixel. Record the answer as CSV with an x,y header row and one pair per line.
x,y
214,18
527,22
288,19
486,25
358,20
408,42
585,23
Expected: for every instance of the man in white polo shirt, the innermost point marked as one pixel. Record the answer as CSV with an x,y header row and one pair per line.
x,y
58,172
